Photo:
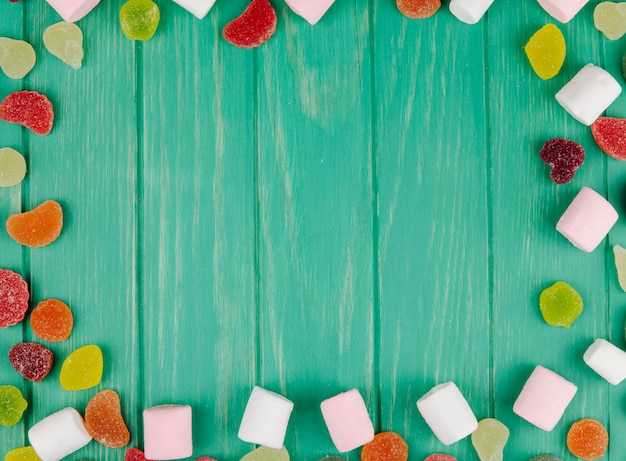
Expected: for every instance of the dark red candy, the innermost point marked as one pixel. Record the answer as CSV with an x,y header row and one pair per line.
x,y
31,360
564,157
610,134
30,109
135,454
13,298
254,27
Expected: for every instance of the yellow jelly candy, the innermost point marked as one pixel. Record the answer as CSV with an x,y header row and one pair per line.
x,y
12,167
546,51
610,19
12,405
22,454
82,369
620,265
560,305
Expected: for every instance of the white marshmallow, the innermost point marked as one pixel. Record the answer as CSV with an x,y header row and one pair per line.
x,y
589,94
265,418
469,11
59,435
199,8
447,413
607,360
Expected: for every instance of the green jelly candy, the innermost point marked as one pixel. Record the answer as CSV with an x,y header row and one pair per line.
x,y
267,454
139,19
560,305
22,454
331,458
489,439
65,41
12,167
624,67
17,57
620,265
545,458
12,405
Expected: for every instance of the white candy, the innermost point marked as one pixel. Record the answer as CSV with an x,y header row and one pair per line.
x,y
607,360
469,11
589,93
60,434
447,413
199,8
265,418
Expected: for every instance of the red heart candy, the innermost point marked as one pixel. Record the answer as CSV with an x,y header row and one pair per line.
x,y
135,454
30,109
254,27
564,157
610,134
31,360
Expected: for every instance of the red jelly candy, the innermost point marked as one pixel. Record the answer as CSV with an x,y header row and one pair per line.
x,y
587,439
13,298
135,454
386,446
205,458
30,109
564,157
254,27
440,457
31,360
610,134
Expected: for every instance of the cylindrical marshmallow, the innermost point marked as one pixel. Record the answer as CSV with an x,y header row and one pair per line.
x,y
607,360
311,10
58,435
589,94
265,418
199,8
347,420
587,220
167,432
447,413
562,10
469,11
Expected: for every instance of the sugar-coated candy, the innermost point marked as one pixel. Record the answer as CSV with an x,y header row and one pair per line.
x,y
73,10
331,458
418,9
52,320
589,93
58,435
440,457
587,220
624,67
82,369
135,454
167,432
620,265
13,298
489,439
311,10
562,10
104,421
199,8
12,405
587,439
564,156
30,109
31,360
205,458
469,11
265,418
560,305
607,360
255,26
544,398
38,227
17,57
65,41
545,458
139,19
386,446
22,454
610,135
546,51
12,167
610,19
267,454
347,420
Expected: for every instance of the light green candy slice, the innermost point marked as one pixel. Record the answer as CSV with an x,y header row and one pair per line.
x,y
17,57
620,265
22,454
12,405
139,19
331,458
267,454
12,167
489,439
610,19
65,41
545,458
560,305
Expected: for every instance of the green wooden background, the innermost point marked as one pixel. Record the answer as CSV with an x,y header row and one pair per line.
x,y
356,204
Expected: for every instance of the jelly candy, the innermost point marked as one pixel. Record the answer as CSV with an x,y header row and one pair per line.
x,y
418,9
331,458
560,305
12,405
587,439
82,369
489,439
440,457
254,27
546,51
205,458
624,67
17,57
139,19
134,454
65,41
31,360
620,265
12,167
610,19
610,134
13,298
386,446
104,421
545,458
52,320
30,109
564,157
267,454
38,227
22,454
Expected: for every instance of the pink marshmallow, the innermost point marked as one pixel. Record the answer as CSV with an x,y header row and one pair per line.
x,y
311,10
347,420
544,398
73,10
167,432
587,220
562,10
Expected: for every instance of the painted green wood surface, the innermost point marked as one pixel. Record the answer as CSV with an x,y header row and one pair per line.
x,y
354,204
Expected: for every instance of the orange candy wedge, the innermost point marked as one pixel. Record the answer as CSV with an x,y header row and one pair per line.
x,y
38,227
386,446
418,9
52,320
104,421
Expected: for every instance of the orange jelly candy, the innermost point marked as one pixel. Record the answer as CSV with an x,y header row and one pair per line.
x,y
38,227
386,446
104,421
52,320
587,439
418,9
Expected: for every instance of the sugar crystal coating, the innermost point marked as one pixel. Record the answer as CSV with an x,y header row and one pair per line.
x,y
255,26
65,41
386,446
331,458
610,135
12,405
489,439
205,458
564,157
13,298
12,167
134,454
52,320
587,439
560,305
610,19
22,454
38,227
17,57
418,9
620,265
267,454
30,109
139,19
31,360
545,458
546,51
440,457
82,369
104,420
